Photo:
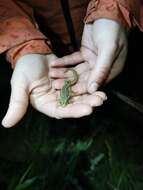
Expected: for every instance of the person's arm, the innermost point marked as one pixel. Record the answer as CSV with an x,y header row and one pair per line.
x,y
128,13
19,34
23,44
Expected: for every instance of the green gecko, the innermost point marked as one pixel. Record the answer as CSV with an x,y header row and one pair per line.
x,y
65,92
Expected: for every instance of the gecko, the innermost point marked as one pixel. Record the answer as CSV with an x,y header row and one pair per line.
x,y
65,92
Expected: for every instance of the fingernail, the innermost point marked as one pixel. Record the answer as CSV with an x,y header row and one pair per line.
x,y
92,87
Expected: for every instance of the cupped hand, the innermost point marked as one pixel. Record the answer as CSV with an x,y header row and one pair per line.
x,y
30,82
104,48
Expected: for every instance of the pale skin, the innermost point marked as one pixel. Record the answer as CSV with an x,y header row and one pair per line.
x,y
102,57
104,49
30,82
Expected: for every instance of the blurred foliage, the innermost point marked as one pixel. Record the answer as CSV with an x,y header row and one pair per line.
x,y
84,154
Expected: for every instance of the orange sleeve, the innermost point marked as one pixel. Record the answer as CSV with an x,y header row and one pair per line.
x,y
33,46
19,33
127,12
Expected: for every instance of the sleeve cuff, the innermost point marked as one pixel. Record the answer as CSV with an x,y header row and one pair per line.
x,y
32,46
111,9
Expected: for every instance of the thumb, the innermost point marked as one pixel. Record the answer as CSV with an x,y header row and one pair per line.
x,y
17,106
100,70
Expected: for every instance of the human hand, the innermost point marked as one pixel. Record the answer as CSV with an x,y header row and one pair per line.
x,y
79,90
104,47
30,81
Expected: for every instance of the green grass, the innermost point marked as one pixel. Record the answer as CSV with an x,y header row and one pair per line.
x,y
85,154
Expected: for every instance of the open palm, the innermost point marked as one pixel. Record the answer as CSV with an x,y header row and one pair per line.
x,y
104,48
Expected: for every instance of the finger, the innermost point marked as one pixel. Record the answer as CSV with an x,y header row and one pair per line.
x,y
17,106
118,65
81,85
70,111
68,60
79,88
93,100
61,72
82,67
101,69
57,84
50,59
76,110
58,73
101,94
